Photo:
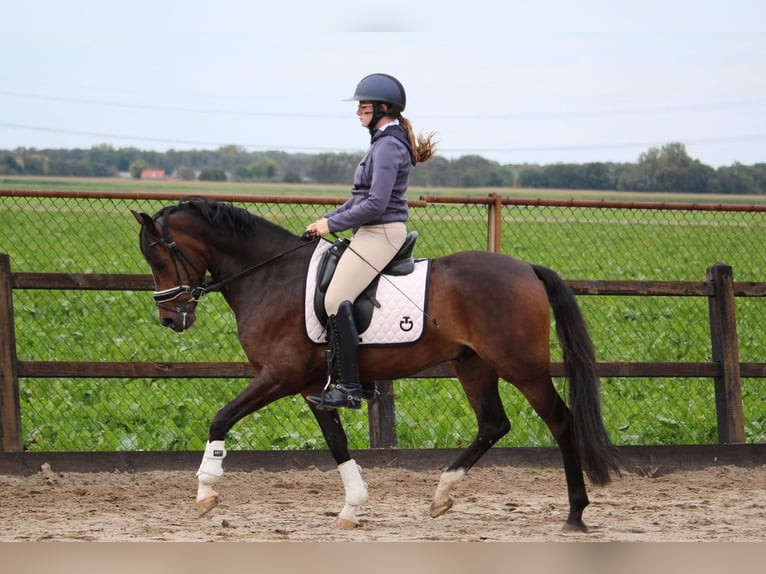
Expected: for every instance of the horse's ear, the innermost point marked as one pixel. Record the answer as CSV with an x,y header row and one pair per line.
x,y
145,221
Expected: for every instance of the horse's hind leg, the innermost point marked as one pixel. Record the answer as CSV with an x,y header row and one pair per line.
x,y
547,403
479,382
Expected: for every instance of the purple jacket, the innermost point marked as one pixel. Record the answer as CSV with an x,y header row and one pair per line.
x,y
380,183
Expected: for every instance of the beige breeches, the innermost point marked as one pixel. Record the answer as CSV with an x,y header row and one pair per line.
x,y
372,248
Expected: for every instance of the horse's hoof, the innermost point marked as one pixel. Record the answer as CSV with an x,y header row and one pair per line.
x,y
439,509
345,523
575,526
206,505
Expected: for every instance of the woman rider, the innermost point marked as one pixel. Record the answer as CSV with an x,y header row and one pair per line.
x,y
377,213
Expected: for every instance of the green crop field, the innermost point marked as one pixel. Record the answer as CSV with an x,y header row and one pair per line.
x,y
85,235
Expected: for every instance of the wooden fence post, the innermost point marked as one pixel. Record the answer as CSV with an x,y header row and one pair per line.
x,y
381,414
723,336
494,223
10,411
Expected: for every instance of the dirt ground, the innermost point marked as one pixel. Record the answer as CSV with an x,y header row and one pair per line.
x,y
494,503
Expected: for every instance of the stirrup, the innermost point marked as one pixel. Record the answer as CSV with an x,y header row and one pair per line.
x,y
336,397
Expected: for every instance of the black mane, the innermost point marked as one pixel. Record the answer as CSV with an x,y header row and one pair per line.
x,y
223,217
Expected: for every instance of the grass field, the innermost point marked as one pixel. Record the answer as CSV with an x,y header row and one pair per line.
x,y
84,235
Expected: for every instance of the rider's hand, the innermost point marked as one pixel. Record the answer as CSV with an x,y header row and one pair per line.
x,y
319,228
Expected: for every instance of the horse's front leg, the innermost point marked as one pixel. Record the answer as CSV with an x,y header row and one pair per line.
x,y
350,472
211,469
259,393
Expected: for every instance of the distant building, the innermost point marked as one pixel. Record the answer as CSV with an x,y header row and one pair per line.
x,y
153,174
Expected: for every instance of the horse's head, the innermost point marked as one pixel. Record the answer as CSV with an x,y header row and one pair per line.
x,y
178,267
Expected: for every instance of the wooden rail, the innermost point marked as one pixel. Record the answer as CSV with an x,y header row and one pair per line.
x,y
724,368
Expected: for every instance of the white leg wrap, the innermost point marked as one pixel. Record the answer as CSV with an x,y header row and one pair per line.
x,y
211,469
356,488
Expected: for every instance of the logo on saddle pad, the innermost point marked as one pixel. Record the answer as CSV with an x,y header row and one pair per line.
x,y
389,312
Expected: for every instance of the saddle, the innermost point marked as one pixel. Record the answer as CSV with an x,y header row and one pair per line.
x,y
402,264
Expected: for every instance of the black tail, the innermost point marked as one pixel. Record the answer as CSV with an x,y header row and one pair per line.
x,y
598,454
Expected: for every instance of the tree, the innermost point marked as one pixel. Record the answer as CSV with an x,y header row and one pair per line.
x,y
333,168
265,168
476,171
598,176
292,176
103,154
668,169
759,173
697,178
35,164
137,167
562,176
9,165
242,173
185,173
531,176
679,172
437,172
737,179
212,174
230,156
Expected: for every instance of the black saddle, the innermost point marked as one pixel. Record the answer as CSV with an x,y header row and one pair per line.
x,y
402,264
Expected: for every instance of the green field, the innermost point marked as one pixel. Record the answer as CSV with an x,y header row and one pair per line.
x,y
86,235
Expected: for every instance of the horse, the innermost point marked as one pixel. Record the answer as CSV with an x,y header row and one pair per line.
x,y
491,320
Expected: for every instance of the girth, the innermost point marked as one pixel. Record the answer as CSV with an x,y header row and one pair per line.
x,y
402,264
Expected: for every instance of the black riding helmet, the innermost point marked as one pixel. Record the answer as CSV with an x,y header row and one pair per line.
x,y
377,88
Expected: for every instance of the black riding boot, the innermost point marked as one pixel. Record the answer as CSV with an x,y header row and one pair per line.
x,y
343,361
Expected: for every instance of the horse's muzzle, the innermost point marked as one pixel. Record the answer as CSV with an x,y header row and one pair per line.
x,y
178,321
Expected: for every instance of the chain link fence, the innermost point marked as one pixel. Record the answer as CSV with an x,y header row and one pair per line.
x,y
98,234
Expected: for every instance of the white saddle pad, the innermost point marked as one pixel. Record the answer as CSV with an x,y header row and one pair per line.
x,y
398,320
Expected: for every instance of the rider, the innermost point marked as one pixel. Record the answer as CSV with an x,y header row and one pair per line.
x,y
377,212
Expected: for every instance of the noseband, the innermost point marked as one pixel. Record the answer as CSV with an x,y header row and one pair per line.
x,y
167,295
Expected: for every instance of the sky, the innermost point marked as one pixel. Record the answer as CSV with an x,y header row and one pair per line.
x,y
514,81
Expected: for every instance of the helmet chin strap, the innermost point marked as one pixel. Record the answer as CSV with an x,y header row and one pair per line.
x,y
378,113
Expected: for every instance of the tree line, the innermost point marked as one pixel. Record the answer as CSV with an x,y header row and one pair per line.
x,y
665,169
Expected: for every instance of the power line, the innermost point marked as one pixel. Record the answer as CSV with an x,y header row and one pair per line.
x,y
693,141
159,108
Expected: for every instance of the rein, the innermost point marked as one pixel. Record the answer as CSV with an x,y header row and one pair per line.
x,y
209,286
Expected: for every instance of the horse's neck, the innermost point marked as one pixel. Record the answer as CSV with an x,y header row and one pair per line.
x,y
251,262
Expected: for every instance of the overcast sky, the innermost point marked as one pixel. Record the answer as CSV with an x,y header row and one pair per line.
x,y
538,81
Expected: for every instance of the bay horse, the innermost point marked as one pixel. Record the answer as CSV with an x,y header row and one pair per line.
x,y
493,315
